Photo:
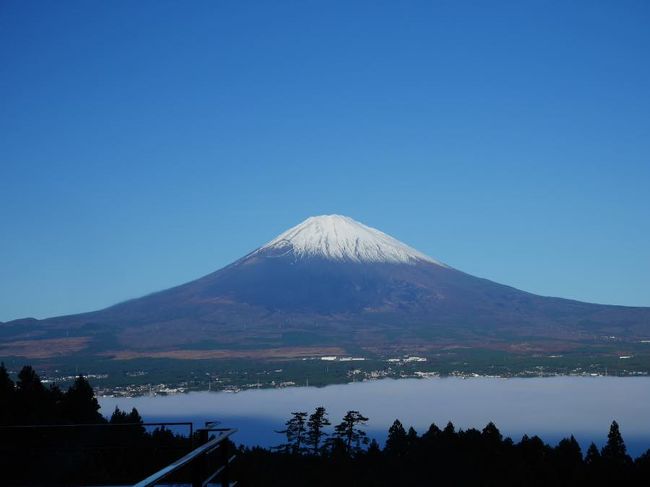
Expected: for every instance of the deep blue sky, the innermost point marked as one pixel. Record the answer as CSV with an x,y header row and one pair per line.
x,y
144,144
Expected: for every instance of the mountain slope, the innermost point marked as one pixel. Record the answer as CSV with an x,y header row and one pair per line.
x,y
332,281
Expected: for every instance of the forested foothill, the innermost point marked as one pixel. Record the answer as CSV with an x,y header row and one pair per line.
x,y
54,437
445,457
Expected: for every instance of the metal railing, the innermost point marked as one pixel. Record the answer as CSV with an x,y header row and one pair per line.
x,y
70,454
204,469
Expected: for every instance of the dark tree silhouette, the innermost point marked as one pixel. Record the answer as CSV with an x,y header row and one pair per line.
x,y
491,433
412,438
642,465
119,416
614,458
295,432
80,404
397,441
614,450
592,457
132,418
7,386
7,391
568,457
349,433
33,404
122,417
315,430
431,434
374,452
449,429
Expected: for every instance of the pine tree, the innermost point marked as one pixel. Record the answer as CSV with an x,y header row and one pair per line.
x,y
533,449
295,432
129,433
349,432
592,457
449,430
118,416
432,433
29,382
7,386
568,456
615,451
642,466
134,417
397,441
569,449
32,401
411,438
373,449
7,391
80,404
315,434
491,433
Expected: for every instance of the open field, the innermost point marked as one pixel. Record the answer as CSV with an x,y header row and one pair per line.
x,y
269,353
45,348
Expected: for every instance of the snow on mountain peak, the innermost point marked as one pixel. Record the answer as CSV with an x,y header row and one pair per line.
x,y
337,237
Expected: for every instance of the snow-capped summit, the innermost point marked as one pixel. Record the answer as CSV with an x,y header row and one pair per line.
x,y
340,238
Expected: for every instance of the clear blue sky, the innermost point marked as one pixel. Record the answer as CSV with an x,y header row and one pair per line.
x,y
144,144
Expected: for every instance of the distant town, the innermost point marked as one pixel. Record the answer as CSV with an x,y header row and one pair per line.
x,y
325,370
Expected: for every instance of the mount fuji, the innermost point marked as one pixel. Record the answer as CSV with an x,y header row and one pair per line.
x,y
329,284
